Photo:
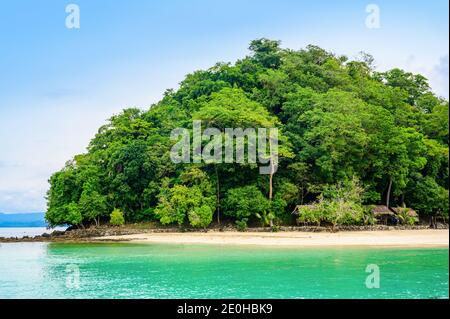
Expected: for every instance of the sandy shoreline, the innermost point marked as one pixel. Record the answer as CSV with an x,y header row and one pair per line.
x,y
394,238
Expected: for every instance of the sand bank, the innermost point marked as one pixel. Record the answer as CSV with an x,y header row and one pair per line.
x,y
393,238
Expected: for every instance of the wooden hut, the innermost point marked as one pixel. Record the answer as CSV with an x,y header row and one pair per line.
x,y
382,213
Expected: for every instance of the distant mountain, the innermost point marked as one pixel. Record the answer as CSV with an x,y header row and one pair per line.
x,y
23,220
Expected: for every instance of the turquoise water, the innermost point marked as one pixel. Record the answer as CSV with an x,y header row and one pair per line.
x,y
39,270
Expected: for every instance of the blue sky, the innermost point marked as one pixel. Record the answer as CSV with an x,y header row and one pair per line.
x,y
58,85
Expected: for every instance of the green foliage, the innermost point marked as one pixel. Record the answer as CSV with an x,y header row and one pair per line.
x,y
405,218
92,205
369,218
194,199
266,52
265,218
116,218
200,216
337,119
245,202
428,197
231,108
338,204
310,214
283,202
241,225
73,214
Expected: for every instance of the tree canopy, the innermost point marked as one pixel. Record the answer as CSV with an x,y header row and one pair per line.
x,y
342,123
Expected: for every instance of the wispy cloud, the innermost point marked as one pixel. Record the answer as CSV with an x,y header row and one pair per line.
x,y
439,77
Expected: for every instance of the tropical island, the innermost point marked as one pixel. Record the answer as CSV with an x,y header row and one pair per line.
x,y
358,148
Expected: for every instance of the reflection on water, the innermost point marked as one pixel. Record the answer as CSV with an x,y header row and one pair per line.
x,y
40,270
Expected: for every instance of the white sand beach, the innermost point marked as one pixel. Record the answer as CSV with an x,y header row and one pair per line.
x,y
392,238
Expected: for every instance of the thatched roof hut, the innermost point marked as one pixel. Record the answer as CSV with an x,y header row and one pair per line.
x,y
382,210
383,214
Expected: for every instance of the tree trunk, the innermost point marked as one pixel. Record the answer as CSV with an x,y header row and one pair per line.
x,y
271,184
388,195
218,194
434,222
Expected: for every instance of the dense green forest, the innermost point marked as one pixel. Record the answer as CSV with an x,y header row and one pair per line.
x,y
352,137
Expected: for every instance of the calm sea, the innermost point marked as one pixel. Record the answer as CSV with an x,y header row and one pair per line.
x,y
52,270
26,231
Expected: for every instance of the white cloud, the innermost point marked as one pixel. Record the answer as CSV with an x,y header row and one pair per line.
x,y
34,143
439,77
436,72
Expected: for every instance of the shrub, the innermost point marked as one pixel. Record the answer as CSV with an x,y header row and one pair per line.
x,y
244,202
242,224
341,204
173,205
116,218
194,200
405,218
311,214
349,213
369,218
286,195
200,216
334,212
265,218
